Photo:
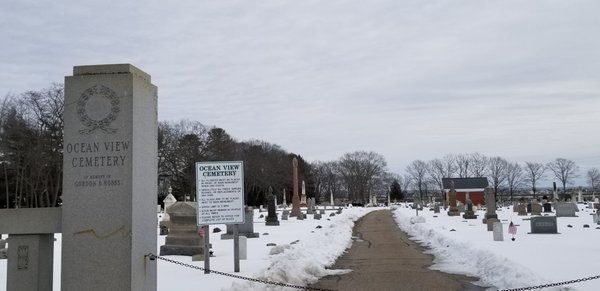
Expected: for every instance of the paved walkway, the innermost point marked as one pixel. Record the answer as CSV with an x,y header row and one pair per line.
x,y
383,258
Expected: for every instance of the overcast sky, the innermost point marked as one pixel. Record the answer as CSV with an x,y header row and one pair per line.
x,y
407,79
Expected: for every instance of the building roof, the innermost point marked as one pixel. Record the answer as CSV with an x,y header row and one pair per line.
x,y
466,183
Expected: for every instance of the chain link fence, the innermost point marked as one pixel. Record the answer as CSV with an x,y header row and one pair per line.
x,y
152,256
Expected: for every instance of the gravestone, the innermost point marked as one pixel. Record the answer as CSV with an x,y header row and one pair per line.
x,y
295,195
183,238
285,214
536,208
310,206
543,224
271,219
490,223
285,205
461,207
528,207
164,223
522,209
417,204
436,208
246,229
243,241
331,201
453,211
303,202
565,209
547,207
170,199
594,218
109,179
317,215
490,204
498,231
469,213
300,216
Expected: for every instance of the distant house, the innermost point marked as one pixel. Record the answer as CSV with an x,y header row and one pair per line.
x,y
471,188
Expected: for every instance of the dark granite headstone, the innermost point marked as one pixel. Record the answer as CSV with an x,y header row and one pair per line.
x,y
547,207
271,219
469,213
543,224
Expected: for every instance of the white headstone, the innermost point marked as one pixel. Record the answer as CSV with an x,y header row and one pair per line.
x,y
284,199
331,202
498,231
243,248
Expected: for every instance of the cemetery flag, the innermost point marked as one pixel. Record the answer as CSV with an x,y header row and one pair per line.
x,y
512,229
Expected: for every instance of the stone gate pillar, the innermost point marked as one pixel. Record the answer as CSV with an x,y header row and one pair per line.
x,y
110,171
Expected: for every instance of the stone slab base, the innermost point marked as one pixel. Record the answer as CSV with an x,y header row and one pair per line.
x,y
169,250
246,234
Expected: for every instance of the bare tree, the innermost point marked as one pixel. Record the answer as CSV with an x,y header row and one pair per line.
x,y
593,177
463,163
359,170
449,165
478,165
497,170
514,177
437,170
564,170
418,171
533,173
31,146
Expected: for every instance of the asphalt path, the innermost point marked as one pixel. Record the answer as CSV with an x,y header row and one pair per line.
x,y
382,257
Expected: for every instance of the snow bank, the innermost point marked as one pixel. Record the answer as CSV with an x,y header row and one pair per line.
x,y
465,247
305,262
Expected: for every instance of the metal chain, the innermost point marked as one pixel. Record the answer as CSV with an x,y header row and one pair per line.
x,y
554,284
153,257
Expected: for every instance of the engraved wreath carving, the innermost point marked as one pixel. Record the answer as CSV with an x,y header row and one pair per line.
x,y
98,91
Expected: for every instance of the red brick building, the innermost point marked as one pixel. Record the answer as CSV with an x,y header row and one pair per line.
x,y
471,188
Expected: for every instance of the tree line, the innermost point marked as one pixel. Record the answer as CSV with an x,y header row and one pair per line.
x,y
31,144
426,176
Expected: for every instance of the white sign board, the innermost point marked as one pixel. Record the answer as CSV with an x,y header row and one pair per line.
x,y
220,192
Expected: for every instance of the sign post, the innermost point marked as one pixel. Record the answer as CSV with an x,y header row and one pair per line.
x,y
236,248
220,197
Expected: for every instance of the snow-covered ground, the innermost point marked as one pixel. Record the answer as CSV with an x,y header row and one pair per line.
x,y
470,249
306,251
531,259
